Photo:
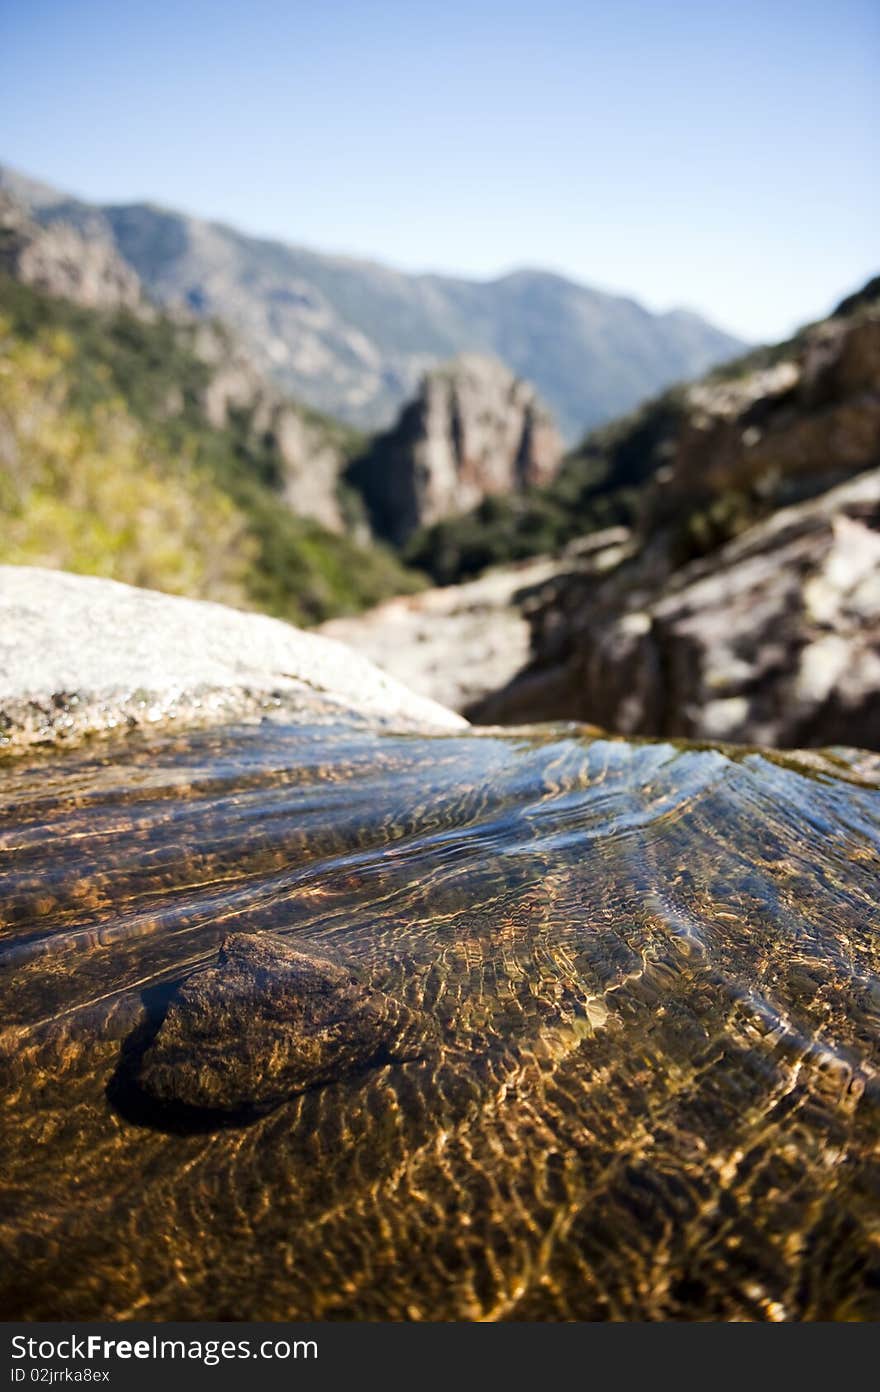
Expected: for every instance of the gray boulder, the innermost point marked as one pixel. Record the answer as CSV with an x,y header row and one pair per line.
x,y
79,655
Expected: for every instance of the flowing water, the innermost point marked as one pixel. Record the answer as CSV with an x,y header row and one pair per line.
x,y
642,1004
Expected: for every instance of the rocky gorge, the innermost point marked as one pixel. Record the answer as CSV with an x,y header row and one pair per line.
x,y
316,507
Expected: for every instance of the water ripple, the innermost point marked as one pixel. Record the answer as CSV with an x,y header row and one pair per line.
x,y
642,985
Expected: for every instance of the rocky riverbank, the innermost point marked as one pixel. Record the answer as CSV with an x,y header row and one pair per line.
x,y
455,644
774,639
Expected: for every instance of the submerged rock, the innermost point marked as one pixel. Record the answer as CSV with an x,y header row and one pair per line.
x,y
267,1022
644,985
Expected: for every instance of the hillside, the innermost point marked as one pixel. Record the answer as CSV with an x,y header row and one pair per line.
x,y
353,338
138,445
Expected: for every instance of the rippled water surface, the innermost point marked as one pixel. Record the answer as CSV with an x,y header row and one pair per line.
x,y
643,1030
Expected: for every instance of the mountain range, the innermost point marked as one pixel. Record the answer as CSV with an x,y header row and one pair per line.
x,y
353,338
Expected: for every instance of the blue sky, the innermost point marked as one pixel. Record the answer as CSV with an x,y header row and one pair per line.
x,y
722,156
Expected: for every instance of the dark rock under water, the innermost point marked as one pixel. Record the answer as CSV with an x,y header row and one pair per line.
x,y
266,1022
522,1026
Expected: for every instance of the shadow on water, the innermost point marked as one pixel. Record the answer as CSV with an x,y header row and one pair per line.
x,y
133,1102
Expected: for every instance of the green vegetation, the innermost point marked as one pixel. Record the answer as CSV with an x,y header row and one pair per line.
x,y
87,490
108,466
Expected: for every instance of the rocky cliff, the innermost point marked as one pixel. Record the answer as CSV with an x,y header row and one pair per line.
x,y
750,610
773,640
473,431
782,425
352,338
59,260
310,452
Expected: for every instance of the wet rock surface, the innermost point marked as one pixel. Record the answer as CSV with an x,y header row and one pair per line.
x,y
268,1021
